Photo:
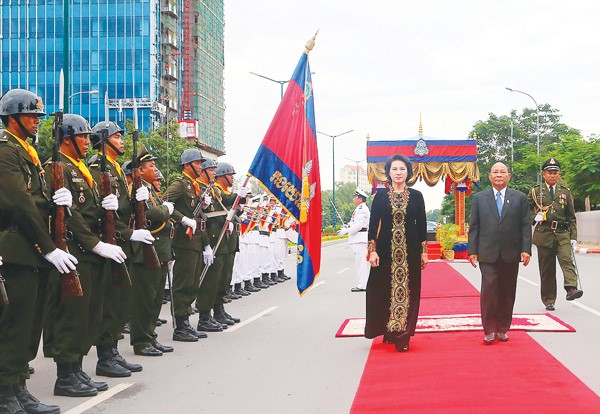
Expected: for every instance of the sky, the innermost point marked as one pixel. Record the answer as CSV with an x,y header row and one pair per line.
x,y
379,65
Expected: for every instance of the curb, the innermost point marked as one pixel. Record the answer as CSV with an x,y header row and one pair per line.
x,y
587,250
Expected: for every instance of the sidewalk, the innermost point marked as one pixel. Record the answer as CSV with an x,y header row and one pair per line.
x,y
587,248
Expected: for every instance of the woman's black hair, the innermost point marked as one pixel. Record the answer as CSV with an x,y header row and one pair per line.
x,y
398,157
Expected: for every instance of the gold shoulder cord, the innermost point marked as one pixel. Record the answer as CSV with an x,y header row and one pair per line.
x,y
540,207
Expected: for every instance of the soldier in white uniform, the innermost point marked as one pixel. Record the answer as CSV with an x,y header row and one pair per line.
x,y
357,229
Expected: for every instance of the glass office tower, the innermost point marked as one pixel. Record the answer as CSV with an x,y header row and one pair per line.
x,y
130,48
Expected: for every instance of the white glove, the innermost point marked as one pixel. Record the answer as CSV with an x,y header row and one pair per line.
x,y
0,260
142,236
207,200
170,206
342,231
573,243
230,227
539,217
62,260
186,221
243,192
110,251
142,194
110,202
208,256
63,197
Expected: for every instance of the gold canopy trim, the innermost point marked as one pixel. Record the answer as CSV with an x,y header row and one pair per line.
x,y
430,172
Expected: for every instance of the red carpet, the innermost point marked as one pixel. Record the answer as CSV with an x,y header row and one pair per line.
x,y
456,373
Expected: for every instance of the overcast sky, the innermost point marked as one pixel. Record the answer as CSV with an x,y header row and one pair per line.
x,y
379,64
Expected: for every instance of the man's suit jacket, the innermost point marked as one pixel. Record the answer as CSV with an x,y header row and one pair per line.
x,y
492,236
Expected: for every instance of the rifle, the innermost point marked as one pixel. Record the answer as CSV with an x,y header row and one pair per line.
x,y
198,214
151,260
119,270
69,283
3,296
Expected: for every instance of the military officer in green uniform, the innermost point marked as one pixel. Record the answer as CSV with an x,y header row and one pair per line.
x,y
24,243
77,320
555,233
224,174
148,284
115,313
189,242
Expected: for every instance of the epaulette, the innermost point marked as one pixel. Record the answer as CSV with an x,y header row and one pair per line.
x,y
179,178
94,161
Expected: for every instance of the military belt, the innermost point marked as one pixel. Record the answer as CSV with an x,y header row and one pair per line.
x,y
264,233
557,225
214,225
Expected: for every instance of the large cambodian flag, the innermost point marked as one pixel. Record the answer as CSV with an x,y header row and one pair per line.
x,y
287,165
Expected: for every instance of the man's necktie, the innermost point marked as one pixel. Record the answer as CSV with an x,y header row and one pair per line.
x,y
499,202
551,192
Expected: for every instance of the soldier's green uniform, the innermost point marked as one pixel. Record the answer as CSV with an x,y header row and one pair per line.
x,y
148,284
553,235
115,313
185,196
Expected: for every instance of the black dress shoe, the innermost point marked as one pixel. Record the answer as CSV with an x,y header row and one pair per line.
x,y
126,328
31,370
502,336
162,348
574,293
158,322
148,351
163,321
357,289
402,347
550,307
489,339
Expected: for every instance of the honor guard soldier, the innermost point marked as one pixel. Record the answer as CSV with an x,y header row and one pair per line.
x,y
357,229
77,320
126,167
24,243
117,298
555,233
224,174
189,242
148,284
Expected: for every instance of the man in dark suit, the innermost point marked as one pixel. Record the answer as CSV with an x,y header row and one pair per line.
x,y
499,237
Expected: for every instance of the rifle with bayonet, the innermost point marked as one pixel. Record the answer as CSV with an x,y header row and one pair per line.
x,y
199,215
69,282
119,270
151,260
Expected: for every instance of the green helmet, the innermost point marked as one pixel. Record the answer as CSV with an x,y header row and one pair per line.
x,y
224,168
21,101
75,125
126,167
191,155
208,163
98,130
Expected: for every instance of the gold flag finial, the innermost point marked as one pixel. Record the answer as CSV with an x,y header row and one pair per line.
x,y
368,137
420,125
475,136
311,43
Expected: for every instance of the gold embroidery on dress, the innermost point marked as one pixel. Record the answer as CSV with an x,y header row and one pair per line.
x,y
399,278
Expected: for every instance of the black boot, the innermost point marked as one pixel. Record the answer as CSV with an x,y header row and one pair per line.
x,y
240,291
219,311
233,295
275,278
86,379
267,280
31,404
121,361
69,385
9,402
205,323
259,284
282,275
249,287
107,366
228,316
181,332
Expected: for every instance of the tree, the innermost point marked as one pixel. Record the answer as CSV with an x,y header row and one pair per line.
x,y
433,215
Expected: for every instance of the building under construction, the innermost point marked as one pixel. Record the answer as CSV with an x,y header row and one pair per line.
x,y
164,56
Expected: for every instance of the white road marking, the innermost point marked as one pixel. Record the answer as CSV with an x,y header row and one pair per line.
x,y
343,270
587,308
251,319
322,282
528,281
105,395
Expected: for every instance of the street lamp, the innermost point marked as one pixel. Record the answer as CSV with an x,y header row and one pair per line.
x,y
356,162
92,92
537,112
281,83
333,137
